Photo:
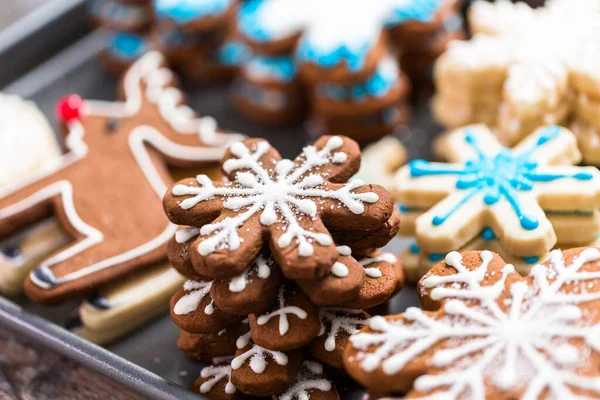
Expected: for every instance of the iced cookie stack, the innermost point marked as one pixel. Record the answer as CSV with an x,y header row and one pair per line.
x,y
421,43
127,23
280,266
517,202
339,53
525,68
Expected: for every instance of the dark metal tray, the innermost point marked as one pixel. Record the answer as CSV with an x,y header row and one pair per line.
x,y
148,360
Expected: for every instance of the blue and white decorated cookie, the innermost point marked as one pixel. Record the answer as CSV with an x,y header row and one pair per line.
x,y
517,193
333,35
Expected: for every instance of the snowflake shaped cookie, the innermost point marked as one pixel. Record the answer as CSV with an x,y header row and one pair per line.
x,y
328,40
293,202
494,334
539,65
489,185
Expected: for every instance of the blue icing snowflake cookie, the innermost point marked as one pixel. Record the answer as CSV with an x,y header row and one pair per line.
x,y
506,189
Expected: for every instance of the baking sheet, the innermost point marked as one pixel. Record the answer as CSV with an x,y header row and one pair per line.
x,y
152,349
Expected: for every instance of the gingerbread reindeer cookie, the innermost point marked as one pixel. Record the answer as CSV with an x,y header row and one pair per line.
x,y
510,191
107,188
490,333
294,203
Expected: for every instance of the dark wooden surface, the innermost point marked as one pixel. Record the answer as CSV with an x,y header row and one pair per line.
x,y
30,372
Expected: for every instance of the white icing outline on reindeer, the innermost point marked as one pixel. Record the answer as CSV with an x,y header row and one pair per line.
x,y
538,315
283,195
282,312
180,117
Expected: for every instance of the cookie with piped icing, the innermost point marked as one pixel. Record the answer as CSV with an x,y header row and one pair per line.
x,y
205,346
237,217
484,327
518,192
261,372
291,323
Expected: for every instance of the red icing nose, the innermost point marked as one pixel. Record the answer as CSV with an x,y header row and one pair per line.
x,y
69,108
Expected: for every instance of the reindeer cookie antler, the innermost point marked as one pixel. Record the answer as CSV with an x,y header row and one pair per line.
x,y
106,190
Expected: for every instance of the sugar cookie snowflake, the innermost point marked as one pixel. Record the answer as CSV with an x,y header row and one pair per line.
x,y
496,333
488,184
327,38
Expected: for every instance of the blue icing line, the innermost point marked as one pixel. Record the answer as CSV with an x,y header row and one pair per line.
x,y
531,260
184,11
354,55
127,46
488,234
435,257
377,85
496,177
420,10
278,68
415,249
403,208
248,21
233,53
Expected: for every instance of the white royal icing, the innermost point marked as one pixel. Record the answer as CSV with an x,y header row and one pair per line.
x,y
285,194
282,312
258,358
309,378
262,269
217,373
197,291
335,320
524,338
147,69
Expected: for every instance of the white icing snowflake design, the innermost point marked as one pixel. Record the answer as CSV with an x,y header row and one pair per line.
x,y
196,292
336,320
257,355
285,194
282,312
518,336
216,373
310,378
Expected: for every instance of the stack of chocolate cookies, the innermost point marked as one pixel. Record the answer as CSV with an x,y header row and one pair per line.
x,y
421,43
281,266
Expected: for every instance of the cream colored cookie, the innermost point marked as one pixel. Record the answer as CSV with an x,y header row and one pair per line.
x,y
546,60
126,304
588,137
380,161
489,185
27,145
